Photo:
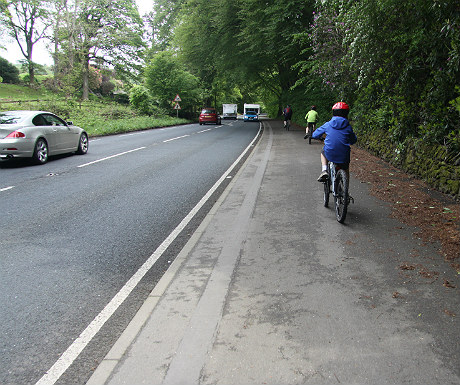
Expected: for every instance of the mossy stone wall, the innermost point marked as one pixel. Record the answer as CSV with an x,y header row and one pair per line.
x,y
430,163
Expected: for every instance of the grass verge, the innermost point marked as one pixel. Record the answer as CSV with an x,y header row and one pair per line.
x,y
97,117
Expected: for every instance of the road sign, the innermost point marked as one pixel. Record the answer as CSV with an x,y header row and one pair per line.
x,y
177,98
177,107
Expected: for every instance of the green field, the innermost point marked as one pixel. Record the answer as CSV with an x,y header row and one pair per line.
x,y
97,117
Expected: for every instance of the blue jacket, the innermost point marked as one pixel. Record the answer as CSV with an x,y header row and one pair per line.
x,y
339,137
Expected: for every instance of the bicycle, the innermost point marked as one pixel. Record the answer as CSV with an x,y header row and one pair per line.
x,y
310,128
287,124
337,184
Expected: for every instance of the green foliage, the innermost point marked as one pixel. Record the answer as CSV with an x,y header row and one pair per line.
x,y
98,117
248,44
165,77
17,92
98,126
161,23
8,72
26,80
140,99
26,21
396,62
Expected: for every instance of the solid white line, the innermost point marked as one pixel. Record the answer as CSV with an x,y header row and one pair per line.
x,y
6,188
179,137
110,157
74,350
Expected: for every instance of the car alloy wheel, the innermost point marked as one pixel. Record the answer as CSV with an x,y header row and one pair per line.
x,y
83,144
41,151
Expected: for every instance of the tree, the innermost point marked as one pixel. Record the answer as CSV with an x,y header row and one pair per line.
x,y
27,22
165,77
162,22
398,62
110,31
101,33
249,41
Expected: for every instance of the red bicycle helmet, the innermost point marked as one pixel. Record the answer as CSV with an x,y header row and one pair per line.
x,y
340,106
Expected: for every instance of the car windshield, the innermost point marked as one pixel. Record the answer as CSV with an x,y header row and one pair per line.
x,y
11,117
208,111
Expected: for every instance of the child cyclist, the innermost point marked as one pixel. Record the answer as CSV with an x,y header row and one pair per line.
x,y
311,118
339,138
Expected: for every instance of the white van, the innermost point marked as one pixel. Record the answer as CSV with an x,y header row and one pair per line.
x,y
229,111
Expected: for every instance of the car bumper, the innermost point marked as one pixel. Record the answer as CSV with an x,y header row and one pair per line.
x,y
14,149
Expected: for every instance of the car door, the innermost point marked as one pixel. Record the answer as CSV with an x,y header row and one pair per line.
x,y
44,128
62,134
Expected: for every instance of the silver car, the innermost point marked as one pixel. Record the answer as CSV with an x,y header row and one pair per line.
x,y
38,135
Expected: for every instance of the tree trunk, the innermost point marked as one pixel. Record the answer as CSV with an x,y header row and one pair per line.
x,y
30,62
85,95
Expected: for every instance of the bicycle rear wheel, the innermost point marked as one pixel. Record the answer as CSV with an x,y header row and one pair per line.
x,y
341,195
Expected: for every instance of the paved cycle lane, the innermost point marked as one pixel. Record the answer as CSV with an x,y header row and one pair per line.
x,y
272,289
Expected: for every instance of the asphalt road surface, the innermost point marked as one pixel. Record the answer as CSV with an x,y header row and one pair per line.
x,y
76,229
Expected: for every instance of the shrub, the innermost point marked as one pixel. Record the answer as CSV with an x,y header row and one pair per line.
x,y
8,72
140,99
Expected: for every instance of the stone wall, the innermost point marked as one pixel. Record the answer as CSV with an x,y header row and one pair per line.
x,y
430,163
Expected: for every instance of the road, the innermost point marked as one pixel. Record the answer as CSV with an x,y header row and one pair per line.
x,y
76,229
293,296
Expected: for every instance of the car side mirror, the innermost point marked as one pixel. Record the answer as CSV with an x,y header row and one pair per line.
x,y
69,123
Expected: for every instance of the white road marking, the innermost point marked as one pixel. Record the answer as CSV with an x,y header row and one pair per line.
x,y
132,133
179,137
110,157
6,188
209,129
74,350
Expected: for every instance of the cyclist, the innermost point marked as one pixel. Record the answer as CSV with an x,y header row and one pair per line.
x,y
339,138
311,118
287,113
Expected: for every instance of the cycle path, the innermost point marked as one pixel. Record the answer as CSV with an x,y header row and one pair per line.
x,y
271,289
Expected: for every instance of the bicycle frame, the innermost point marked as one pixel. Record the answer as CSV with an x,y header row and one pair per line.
x,y
337,183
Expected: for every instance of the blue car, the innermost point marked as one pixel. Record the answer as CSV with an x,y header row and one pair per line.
x,y
251,116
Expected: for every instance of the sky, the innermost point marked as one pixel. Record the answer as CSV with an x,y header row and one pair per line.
x,y
13,54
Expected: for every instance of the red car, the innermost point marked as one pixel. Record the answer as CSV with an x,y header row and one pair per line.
x,y
209,115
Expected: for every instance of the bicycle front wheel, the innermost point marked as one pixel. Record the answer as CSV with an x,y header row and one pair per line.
x,y
341,195
327,191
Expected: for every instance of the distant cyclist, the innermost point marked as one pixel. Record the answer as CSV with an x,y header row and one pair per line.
x,y
311,118
287,113
339,138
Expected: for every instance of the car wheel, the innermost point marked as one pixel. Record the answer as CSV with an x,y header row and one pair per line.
x,y
83,144
40,155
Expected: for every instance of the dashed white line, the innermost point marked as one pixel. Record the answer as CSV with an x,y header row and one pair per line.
x,y
110,157
6,188
209,129
179,137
